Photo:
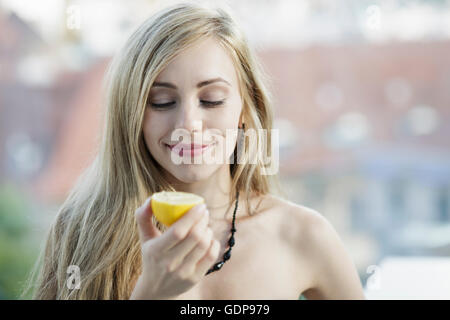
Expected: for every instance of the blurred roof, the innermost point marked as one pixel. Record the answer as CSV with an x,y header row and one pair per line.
x,y
342,98
76,144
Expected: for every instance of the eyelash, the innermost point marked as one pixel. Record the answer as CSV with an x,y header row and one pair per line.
x,y
210,104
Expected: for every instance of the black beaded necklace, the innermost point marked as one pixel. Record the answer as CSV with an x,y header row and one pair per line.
x,y
227,254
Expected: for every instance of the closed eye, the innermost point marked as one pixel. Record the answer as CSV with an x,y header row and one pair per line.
x,y
204,102
162,105
212,103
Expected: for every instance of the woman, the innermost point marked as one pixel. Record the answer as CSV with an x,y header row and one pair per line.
x,y
188,68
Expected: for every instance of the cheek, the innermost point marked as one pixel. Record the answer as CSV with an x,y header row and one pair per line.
x,y
153,130
225,123
228,117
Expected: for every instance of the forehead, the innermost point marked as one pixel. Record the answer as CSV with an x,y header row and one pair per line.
x,y
205,59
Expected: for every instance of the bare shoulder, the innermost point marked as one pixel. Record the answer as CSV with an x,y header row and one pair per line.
x,y
310,226
295,219
316,242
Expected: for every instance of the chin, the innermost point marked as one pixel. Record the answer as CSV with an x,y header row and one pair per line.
x,y
192,173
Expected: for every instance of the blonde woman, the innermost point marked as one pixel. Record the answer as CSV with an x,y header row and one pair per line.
x,y
188,67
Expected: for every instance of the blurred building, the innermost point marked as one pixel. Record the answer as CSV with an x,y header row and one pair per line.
x,y
33,98
366,139
16,98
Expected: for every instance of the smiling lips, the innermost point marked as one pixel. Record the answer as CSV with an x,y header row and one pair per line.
x,y
188,149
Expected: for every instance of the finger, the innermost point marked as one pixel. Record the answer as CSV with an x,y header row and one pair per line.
x,y
198,252
180,229
143,215
196,235
209,258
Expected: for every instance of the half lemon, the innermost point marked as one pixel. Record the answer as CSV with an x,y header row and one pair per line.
x,y
169,206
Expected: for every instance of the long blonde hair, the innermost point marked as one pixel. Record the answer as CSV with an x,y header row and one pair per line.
x,y
95,228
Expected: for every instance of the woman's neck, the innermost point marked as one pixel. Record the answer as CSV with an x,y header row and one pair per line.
x,y
216,192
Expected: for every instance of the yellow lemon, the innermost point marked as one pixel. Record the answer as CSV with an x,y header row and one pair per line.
x,y
169,206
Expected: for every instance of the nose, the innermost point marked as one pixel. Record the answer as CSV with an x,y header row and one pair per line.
x,y
189,117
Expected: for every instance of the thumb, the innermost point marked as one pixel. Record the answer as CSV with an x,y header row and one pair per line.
x,y
147,230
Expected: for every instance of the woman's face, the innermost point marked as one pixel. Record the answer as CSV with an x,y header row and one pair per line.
x,y
198,91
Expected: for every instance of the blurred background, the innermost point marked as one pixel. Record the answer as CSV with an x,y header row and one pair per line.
x,y
362,102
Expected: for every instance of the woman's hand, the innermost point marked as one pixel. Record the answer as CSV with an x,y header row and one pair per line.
x,y
175,261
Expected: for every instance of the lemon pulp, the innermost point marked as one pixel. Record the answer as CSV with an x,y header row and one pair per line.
x,y
169,206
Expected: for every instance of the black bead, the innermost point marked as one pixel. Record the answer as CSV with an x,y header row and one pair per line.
x,y
227,255
218,265
233,230
231,241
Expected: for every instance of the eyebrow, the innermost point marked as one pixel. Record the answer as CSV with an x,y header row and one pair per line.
x,y
199,85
